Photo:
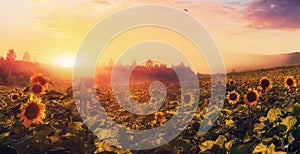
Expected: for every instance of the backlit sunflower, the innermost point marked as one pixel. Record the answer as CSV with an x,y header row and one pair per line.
x,y
231,82
290,82
233,97
187,99
252,97
32,112
37,90
133,99
14,97
41,79
265,83
3,104
160,117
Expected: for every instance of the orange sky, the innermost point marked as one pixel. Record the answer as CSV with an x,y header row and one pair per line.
x,y
52,29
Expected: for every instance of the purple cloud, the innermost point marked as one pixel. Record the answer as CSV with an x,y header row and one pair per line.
x,y
273,14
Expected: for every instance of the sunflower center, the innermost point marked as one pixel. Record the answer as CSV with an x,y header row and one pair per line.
x,y
153,100
233,96
289,82
37,88
32,111
187,98
265,83
42,81
231,82
251,96
15,97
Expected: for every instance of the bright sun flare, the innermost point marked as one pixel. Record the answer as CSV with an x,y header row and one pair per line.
x,y
65,61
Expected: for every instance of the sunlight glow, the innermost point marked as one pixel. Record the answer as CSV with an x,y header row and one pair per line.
x,y
65,61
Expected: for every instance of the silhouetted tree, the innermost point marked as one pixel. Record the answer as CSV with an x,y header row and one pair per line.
x,y
26,56
149,63
11,55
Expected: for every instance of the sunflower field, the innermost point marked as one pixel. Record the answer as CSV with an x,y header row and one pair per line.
x,y
261,114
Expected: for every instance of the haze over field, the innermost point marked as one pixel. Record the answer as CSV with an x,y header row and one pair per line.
x,y
52,30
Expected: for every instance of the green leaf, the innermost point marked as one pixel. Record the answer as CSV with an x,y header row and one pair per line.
x,y
260,148
289,122
291,139
272,115
229,123
76,126
207,145
220,141
258,126
271,148
229,144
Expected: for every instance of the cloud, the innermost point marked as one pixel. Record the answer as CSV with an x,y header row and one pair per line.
x,y
273,14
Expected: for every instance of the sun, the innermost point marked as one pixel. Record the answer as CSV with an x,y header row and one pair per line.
x,y
65,61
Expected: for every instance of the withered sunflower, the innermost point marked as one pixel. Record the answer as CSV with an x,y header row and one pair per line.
x,y
32,112
233,97
37,90
41,79
290,82
252,97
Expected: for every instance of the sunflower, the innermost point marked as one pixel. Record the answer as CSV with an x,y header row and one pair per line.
x,y
160,117
187,99
290,82
252,97
39,78
265,83
232,82
14,97
32,112
233,97
153,100
3,104
37,90
133,99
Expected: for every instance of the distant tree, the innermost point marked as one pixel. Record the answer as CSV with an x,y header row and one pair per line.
x,y
149,63
26,56
11,55
133,63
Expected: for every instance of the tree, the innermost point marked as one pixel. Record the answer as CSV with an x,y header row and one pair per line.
x,y
11,55
26,56
149,63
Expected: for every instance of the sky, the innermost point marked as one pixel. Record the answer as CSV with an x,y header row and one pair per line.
x,y
52,30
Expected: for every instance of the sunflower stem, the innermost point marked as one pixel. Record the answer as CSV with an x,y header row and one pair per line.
x,y
249,116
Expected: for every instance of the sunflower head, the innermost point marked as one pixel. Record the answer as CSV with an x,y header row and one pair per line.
x,y
290,82
160,117
39,78
252,97
14,97
265,83
153,100
3,104
32,112
187,99
232,82
133,99
233,97
37,90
